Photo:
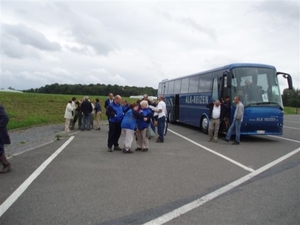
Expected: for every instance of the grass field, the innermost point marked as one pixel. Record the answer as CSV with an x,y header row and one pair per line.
x,y
29,109
291,110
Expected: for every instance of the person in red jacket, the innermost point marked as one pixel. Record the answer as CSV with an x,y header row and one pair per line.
x,y
4,139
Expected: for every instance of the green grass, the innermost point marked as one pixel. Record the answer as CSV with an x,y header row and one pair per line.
x,y
291,110
30,109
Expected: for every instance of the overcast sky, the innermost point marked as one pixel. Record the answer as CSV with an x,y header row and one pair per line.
x,y
139,43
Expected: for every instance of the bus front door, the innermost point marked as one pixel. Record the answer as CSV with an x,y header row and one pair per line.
x,y
176,108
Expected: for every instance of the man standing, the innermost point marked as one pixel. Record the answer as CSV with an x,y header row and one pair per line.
x,y
237,122
250,91
216,113
4,139
109,100
86,108
115,114
161,109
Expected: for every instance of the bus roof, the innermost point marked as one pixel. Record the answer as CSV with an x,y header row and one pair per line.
x,y
229,66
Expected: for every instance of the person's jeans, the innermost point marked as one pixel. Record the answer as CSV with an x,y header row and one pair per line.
x,y
237,126
86,118
161,127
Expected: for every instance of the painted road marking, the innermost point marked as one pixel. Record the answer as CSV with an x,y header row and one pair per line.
x,y
20,190
295,128
214,152
283,138
195,204
292,121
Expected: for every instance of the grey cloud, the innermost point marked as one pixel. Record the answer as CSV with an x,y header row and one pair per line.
x,y
88,31
28,36
189,22
96,37
12,48
280,9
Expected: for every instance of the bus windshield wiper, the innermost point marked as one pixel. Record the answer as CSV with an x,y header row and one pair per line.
x,y
265,103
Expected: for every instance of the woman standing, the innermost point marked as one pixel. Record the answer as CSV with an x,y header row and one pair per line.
x,y
142,125
128,126
68,115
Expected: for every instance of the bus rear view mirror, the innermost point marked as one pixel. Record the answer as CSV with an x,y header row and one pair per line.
x,y
289,79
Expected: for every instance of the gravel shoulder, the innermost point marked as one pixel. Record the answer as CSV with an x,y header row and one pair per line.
x,y
30,138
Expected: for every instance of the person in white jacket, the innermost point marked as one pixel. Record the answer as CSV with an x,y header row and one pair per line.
x,y
68,115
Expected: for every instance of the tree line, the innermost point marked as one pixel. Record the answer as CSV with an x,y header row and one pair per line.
x,y
291,97
93,89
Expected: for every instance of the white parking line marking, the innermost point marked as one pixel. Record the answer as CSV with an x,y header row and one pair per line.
x,y
295,128
20,190
283,138
292,121
216,153
195,204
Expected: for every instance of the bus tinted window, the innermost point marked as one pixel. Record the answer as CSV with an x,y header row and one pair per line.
x,y
215,89
194,83
170,87
159,91
177,86
205,82
166,86
185,85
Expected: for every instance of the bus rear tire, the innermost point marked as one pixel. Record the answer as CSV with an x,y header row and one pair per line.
x,y
204,125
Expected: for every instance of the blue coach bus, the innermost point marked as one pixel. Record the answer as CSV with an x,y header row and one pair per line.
x,y
256,84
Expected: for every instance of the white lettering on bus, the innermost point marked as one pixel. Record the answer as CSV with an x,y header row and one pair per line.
x,y
196,99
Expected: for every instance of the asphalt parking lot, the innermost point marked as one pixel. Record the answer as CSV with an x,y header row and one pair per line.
x,y
185,180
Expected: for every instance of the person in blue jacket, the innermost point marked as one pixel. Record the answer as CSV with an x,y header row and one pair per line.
x,y
128,126
115,114
142,125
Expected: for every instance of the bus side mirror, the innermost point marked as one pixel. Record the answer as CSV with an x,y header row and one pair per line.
x,y
289,79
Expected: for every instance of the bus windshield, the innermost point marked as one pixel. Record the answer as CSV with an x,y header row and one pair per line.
x,y
256,86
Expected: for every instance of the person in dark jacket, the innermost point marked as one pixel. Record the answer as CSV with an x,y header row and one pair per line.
x,y
86,108
98,111
4,139
226,102
126,106
142,125
78,115
216,114
109,100
115,114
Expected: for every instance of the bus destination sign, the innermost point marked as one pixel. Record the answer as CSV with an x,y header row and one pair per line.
x,y
196,99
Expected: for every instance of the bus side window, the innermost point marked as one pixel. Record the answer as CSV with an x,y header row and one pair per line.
x,y
215,89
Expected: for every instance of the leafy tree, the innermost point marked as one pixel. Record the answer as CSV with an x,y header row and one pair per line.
x,y
291,97
93,89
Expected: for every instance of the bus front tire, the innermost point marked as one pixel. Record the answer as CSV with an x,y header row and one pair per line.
x,y
204,125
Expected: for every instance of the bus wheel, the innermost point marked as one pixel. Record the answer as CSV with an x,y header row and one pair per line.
x,y
204,125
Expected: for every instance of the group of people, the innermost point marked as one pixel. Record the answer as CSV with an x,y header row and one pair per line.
x,y
134,119
220,111
84,112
